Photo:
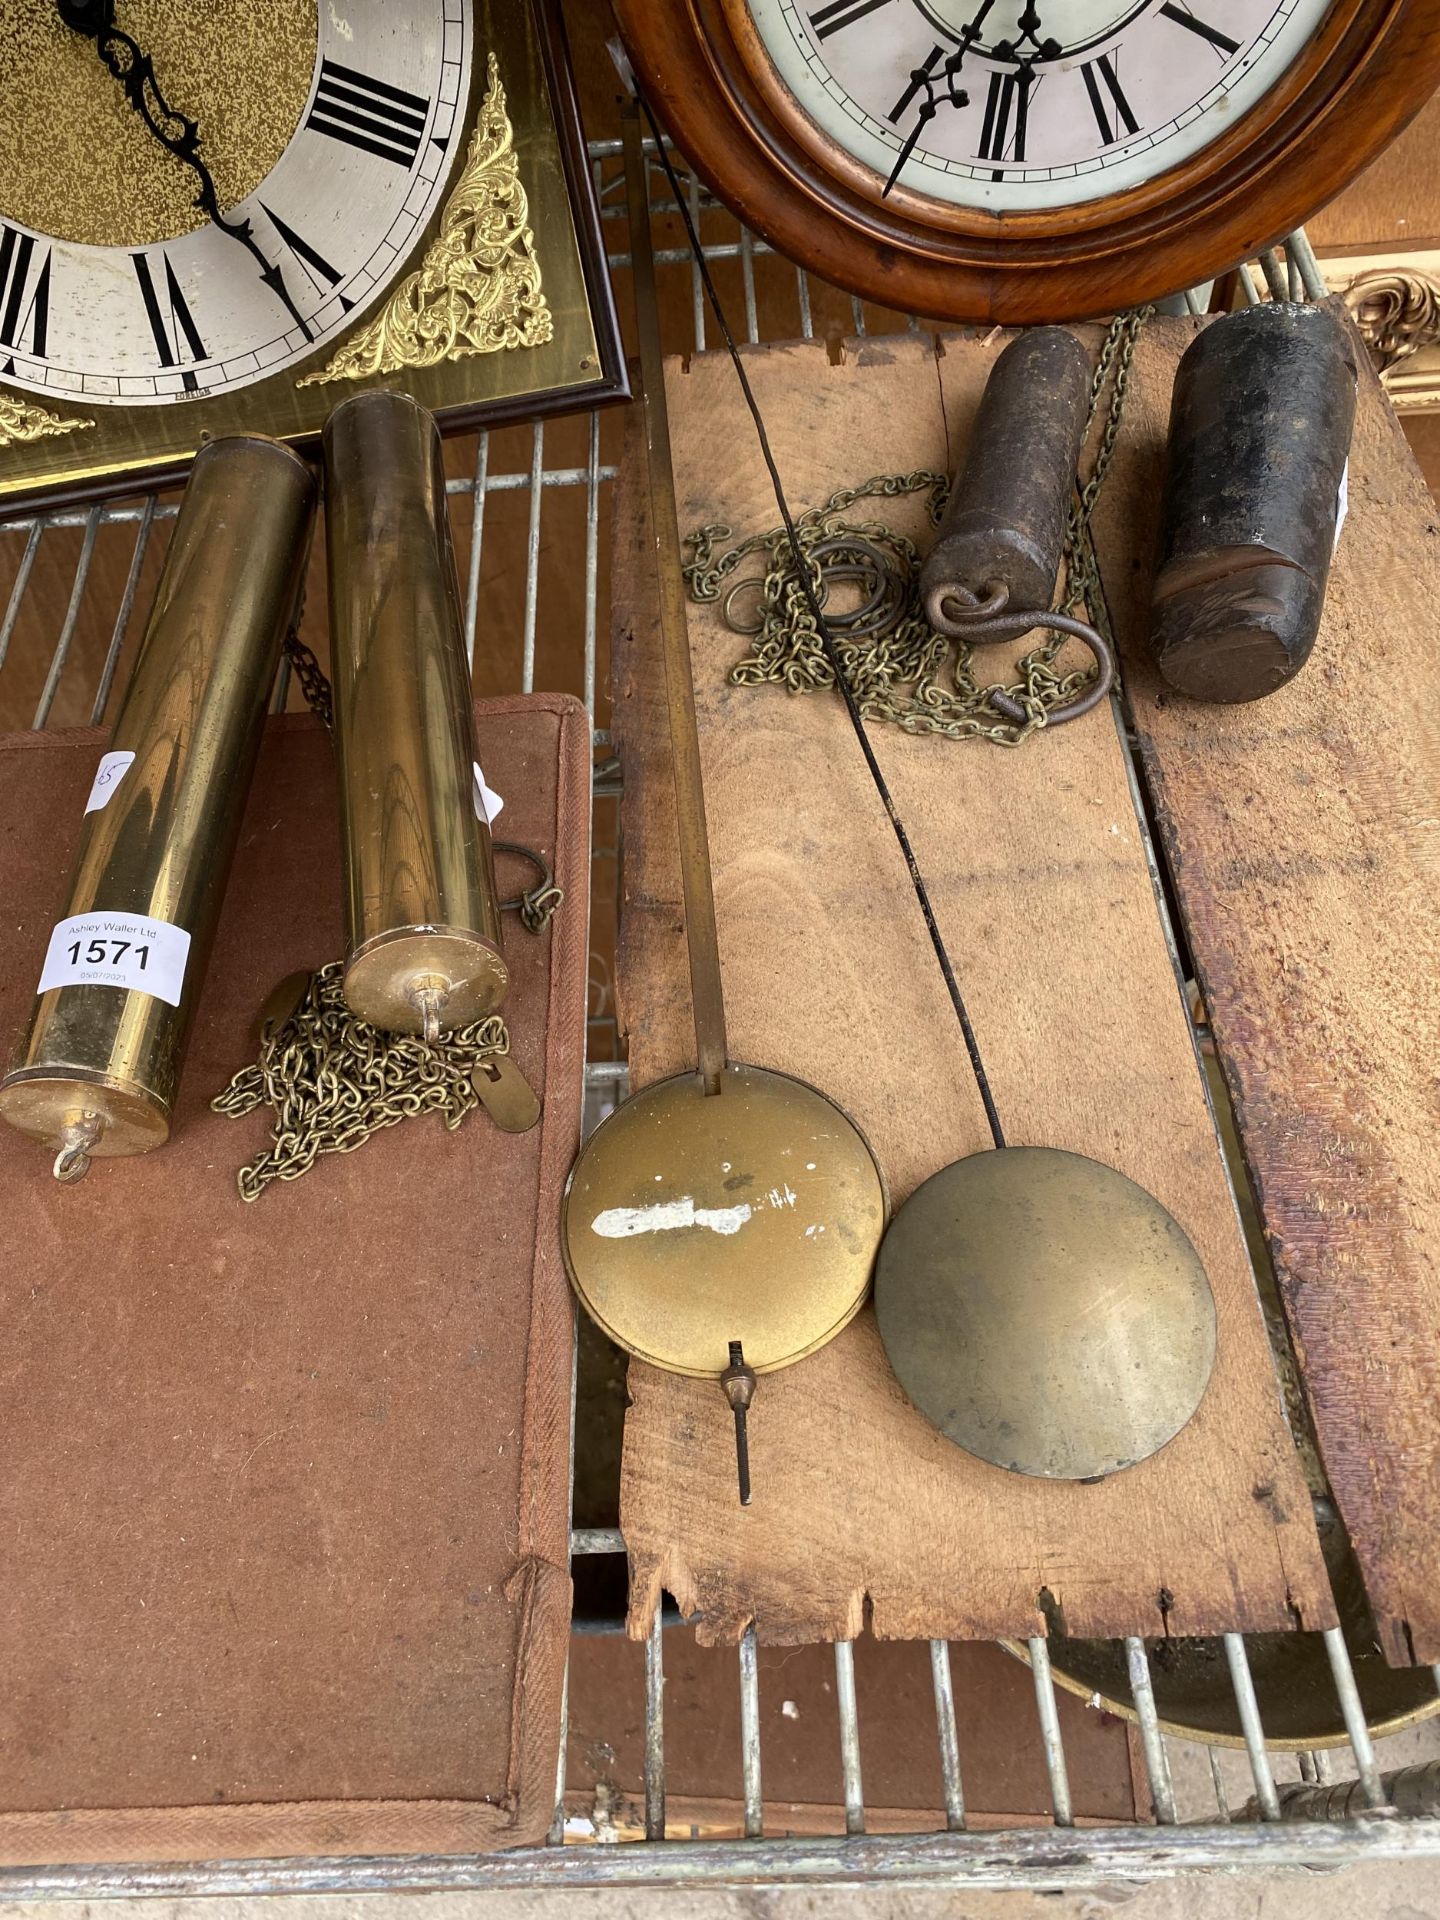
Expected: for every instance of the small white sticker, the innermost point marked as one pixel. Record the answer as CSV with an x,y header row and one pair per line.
x,y
117,950
1342,504
487,803
108,775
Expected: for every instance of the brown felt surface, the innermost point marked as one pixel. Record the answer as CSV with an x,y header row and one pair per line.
x,y
1302,832
1002,1755
1039,878
283,1488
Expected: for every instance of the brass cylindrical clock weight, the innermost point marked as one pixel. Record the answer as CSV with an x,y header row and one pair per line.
x,y
99,1065
423,948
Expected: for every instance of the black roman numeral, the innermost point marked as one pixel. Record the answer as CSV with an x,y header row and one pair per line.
x,y
841,13
24,292
323,277
1182,16
369,114
1007,116
179,327
1100,106
918,77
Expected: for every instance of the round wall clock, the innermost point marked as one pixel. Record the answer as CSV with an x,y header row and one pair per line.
x,y
1024,160
223,217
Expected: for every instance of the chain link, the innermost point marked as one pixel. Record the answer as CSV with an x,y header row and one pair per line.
x,y
311,675
331,1081
895,669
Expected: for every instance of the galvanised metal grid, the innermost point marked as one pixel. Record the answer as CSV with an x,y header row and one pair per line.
x,y
1188,1834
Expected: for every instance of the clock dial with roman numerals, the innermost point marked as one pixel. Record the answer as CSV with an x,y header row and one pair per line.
x,y
1029,160
1021,104
374,127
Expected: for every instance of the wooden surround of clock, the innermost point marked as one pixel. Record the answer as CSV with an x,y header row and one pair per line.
x,y
1366,69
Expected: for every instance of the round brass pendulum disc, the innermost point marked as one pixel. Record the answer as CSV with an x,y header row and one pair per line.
x,y
695,1219
1045,1313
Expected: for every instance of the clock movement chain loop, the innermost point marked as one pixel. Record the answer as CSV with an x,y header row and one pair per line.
x,y
330,1080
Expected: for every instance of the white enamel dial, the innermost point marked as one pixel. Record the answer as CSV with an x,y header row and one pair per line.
x,y
1028,103
336,216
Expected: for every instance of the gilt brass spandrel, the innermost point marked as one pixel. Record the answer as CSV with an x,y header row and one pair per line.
x,y
478,288
754,1214
22,422
161,844
1045,1312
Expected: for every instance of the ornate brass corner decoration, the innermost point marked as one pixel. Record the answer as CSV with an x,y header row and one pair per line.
x,y
1396,312
478,288
20,420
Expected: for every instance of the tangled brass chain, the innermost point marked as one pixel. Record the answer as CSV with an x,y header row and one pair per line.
x,y
331,1081
896,663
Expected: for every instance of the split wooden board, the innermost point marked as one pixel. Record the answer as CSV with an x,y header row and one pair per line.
x,y
1040,879
1303,833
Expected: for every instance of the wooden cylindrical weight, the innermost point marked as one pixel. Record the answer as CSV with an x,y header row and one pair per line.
x,y
422,913
1004,524
1260,428
98,1068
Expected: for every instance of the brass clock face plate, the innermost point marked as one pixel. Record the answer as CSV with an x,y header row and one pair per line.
x,y
368,164
430,213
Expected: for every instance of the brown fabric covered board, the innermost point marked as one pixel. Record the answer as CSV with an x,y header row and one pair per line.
x,y
1038,874
1302,834
284,1487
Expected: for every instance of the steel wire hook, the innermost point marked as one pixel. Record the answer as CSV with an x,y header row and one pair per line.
x,y
963,616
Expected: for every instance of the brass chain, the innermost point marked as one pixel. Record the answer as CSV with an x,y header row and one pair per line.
x,y
896,672
331,1080
311,675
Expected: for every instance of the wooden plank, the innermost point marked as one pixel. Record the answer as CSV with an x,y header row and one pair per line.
x,y
1304,835
1395,203
1040,880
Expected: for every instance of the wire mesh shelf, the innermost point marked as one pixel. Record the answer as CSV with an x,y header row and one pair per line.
x,y
530,511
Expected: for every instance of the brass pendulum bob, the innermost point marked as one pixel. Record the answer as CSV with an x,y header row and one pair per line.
x,y
722,1223
1045,1312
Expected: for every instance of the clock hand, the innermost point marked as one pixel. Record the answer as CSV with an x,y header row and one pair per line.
x,y
927,113
175,131
956,96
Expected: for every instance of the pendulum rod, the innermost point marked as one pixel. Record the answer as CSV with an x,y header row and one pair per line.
x,y
807,587
702,939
